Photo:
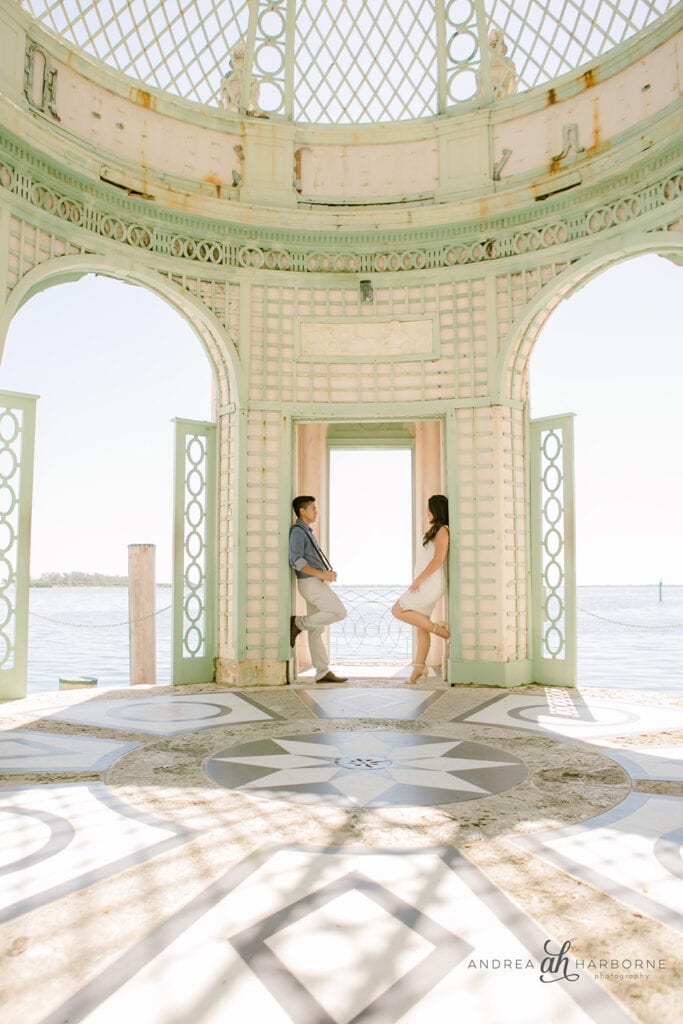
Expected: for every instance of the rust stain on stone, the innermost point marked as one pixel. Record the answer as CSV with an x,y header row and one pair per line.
x,y
589,78
143,99
552,97
596,131
212,179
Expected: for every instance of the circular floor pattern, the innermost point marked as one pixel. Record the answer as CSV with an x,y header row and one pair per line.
x,y
366,769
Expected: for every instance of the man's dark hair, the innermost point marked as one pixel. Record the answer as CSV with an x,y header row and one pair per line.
x,y
301,502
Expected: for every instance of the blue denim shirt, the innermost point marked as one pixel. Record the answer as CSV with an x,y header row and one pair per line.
x,y
303,550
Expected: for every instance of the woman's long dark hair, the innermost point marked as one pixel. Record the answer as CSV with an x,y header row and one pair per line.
x,y
438,508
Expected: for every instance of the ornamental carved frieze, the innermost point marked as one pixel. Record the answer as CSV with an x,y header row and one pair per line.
x,y
40,81
498,242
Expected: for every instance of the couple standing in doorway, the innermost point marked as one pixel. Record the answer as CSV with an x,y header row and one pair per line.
x,y
323,607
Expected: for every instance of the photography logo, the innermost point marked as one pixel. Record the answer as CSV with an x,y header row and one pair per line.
x,y
555,966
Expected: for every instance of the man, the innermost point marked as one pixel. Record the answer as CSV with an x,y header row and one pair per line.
x,y
313,577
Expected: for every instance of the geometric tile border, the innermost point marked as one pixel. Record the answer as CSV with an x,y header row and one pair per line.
x,y
570,716
57,839
168,714
277,940
366,769
354,702
661,764
631,852
24,751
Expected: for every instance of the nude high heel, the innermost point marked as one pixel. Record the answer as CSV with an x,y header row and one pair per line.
x,y
418,672
441,629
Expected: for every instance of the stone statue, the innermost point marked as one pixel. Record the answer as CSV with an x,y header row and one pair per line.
x,y
231,86
503,72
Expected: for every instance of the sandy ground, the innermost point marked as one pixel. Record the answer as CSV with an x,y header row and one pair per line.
x,y
49,953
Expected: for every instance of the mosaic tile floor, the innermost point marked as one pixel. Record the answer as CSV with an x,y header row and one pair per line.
x,y
168,715
349,855
368,769
337,702
632,852
24,751
574,716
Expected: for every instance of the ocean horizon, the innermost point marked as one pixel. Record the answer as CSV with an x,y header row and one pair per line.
x,y
627,637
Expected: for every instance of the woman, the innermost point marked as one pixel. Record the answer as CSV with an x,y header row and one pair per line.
x,y
417,604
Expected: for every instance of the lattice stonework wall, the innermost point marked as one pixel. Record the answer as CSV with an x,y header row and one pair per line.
x,y
490,512
29,246
258,549
331,367
340,272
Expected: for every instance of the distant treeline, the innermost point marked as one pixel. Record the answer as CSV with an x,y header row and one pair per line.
x,y
79,579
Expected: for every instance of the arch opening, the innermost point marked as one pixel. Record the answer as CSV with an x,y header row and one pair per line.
x,y
611,354
113,365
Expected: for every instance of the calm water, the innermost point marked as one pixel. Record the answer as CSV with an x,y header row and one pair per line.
x,y
73,631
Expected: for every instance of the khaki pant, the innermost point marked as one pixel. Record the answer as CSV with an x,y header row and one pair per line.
x,y
323,607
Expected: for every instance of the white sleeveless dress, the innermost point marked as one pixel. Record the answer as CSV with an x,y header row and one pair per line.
x,y
434,587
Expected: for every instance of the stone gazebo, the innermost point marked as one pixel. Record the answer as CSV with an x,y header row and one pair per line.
x,y
348,258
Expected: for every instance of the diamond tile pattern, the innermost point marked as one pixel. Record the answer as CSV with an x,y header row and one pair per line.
x,y
352,61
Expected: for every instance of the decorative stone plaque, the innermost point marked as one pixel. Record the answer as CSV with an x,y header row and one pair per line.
x,y
361,339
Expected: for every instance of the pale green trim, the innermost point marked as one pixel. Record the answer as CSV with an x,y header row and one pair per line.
x,y
369,412
4,265
555,671
209,244
450,448
491,673
58,269
567,283
378,434
237,562
285,518
14,680
200,668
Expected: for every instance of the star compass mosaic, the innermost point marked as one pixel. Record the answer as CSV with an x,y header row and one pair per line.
x,y
366,769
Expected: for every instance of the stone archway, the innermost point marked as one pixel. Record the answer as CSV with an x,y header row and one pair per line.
x,y
226,370
517,347
512,382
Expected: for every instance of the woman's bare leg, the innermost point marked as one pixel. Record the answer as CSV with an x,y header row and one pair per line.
x,y
421,651
419,620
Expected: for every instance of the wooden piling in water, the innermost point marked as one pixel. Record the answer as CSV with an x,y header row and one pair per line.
x,y
142,614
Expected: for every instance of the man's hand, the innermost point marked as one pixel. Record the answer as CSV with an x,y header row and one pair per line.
x,y
329,575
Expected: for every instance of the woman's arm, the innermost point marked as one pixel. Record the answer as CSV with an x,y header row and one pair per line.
x,y
440,551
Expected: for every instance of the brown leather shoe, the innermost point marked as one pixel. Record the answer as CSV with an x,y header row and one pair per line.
x,y
293,630
330,677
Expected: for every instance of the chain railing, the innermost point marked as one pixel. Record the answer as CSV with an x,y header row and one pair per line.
x,y
633,625
370,633
99,625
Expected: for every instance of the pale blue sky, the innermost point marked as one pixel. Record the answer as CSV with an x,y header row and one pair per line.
x,y
613,354
114,364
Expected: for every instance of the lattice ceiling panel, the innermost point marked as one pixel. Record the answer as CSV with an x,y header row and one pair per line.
x,y
354,61
546,40
181,46
366,62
